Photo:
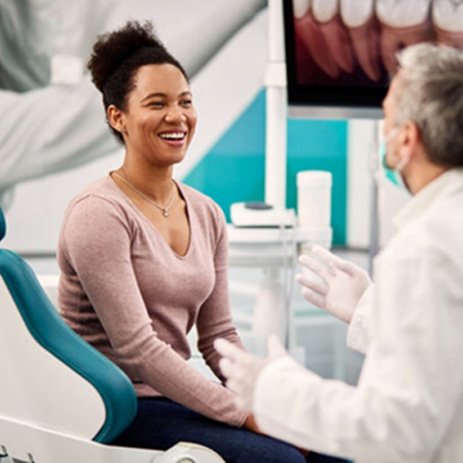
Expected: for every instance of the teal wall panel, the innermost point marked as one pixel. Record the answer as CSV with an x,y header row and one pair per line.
x,y
233,170
320,145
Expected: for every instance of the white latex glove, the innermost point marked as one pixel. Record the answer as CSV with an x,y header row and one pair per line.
x,y
242,369
332,283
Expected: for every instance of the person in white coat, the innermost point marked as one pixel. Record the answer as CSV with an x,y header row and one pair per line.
x,y
408,404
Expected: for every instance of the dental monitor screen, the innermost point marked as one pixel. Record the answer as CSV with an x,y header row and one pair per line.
x,y
340,53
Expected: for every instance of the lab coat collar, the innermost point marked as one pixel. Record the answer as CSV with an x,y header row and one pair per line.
x,y
451,180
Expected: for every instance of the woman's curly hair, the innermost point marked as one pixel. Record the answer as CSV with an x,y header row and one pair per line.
x,y
116,57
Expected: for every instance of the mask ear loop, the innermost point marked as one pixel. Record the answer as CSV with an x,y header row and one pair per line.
x,y
393,174
404,160
402,163
382,148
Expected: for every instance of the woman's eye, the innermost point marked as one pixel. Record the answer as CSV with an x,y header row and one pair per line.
x,y
156,104
186,103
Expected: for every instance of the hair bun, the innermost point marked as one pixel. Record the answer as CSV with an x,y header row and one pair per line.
x,y
113,48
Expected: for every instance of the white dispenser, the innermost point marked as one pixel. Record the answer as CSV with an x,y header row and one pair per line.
x,y
314,206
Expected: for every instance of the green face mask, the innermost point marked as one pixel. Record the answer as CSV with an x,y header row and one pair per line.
x,y
393,175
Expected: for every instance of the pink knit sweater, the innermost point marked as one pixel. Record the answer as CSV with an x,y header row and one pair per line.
x,y
126,292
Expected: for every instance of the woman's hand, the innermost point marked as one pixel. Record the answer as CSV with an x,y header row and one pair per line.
x,y
251,425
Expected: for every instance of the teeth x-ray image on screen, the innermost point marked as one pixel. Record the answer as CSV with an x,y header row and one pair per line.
x,y
342,52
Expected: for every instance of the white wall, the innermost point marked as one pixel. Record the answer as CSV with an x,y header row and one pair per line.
x,y
360,156
34,219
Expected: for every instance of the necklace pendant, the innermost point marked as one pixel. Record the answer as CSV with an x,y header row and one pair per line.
x,y
165,213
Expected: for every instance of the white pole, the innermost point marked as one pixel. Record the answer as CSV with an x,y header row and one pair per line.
x,y
276,110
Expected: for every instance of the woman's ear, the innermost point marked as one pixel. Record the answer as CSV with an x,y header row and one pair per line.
x,y
115,118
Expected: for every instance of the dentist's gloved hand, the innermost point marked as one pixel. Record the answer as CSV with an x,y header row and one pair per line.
x,y
242,369
332,283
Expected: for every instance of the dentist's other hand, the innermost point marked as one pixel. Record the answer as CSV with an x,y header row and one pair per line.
x,y
242,369
331,283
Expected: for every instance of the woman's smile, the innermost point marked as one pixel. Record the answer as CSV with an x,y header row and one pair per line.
x,y
174,137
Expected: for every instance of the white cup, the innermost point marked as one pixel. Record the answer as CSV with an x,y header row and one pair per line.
x,y
314,199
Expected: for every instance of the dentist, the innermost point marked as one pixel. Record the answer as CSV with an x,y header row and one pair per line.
x,y
408,404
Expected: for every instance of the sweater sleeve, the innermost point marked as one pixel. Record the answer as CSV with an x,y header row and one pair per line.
x,y
97,243
214,318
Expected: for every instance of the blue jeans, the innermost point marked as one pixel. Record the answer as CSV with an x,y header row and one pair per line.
x,y
161,423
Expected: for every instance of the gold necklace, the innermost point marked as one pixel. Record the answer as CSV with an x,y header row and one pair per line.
x,y
164,209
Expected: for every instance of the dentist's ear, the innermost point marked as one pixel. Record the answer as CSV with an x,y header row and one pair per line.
x,y
411,139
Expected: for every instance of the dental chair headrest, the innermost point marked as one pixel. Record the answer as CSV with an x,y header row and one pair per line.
x,y
2,224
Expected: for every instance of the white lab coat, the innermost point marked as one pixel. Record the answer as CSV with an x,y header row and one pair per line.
x,y
408,405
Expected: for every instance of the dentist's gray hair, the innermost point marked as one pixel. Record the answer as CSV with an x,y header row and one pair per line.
x,y
430,93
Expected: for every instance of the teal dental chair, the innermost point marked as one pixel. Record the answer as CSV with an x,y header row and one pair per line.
x,y
61,401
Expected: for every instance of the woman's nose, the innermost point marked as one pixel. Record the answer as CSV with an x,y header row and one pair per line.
x,y
175,114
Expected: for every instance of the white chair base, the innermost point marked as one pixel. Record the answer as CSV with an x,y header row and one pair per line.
x,y
23,443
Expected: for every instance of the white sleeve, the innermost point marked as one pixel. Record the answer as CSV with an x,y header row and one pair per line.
x,y
358,333
406,399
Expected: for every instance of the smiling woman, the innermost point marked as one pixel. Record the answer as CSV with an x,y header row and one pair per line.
x,y
158,123
143,259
